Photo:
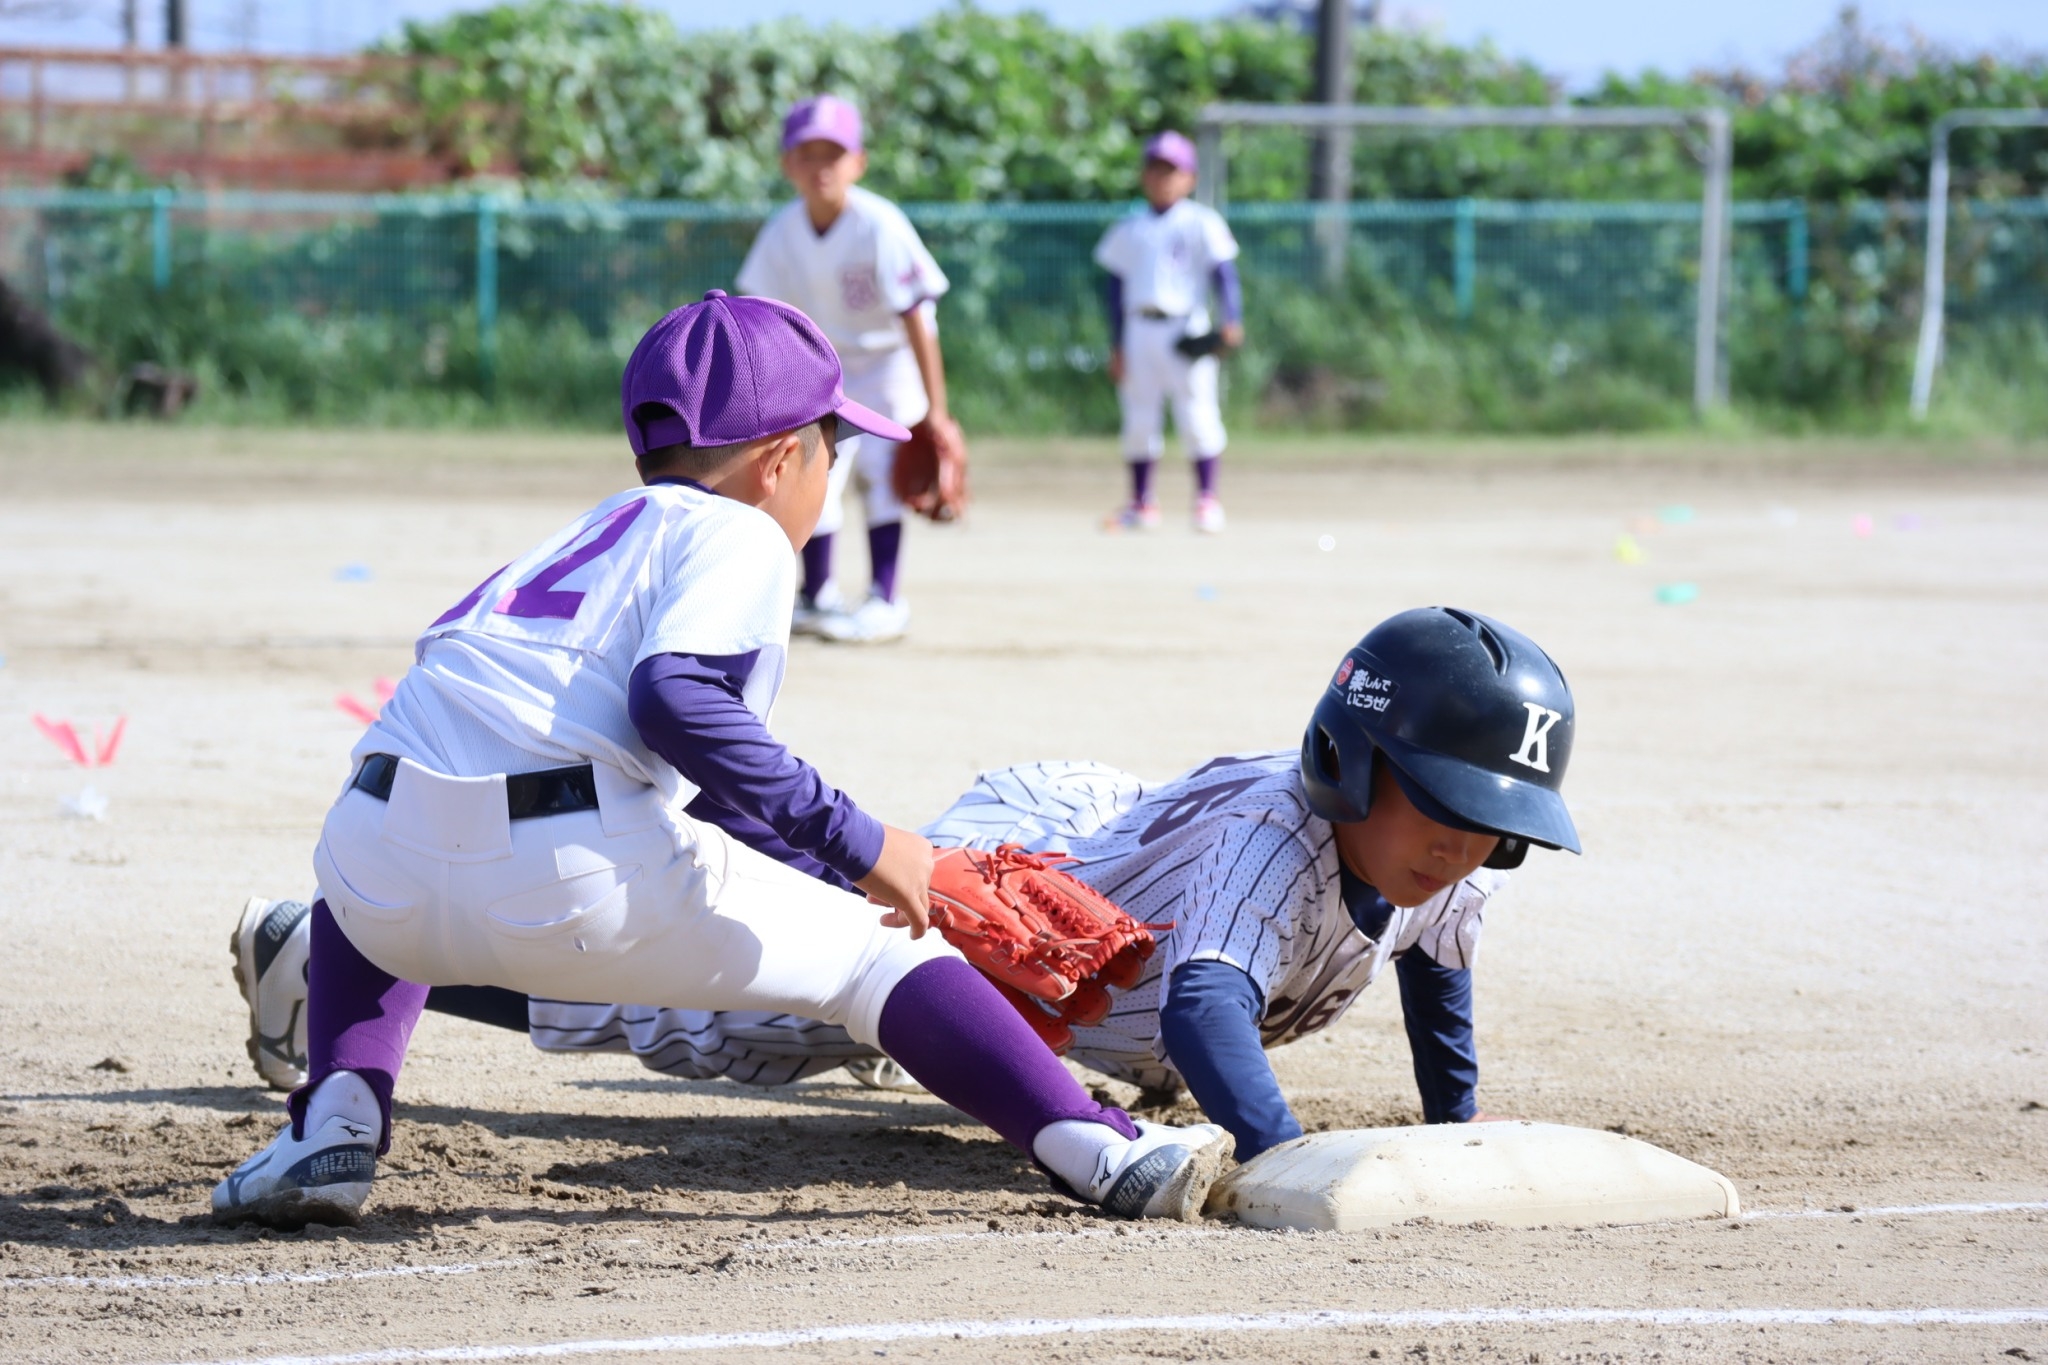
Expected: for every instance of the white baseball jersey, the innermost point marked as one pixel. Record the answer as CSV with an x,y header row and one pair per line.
x,y
530,670
855,280
1229,851
1165,259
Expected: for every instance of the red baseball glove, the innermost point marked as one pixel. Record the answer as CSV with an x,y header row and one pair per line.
x,y
1051,943
930,479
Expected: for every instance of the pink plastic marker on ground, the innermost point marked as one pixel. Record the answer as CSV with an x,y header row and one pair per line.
x,y
61,734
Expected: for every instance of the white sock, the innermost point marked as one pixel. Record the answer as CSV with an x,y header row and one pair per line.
x,y
346,1095
1081,1153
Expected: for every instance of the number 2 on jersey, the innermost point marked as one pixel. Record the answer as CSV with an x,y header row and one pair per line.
x,y
538,596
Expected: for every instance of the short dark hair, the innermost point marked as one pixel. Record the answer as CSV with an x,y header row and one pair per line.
x,y
701,462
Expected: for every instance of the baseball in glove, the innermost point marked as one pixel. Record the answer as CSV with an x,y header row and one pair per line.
x,y
1200,344
928,480
1053,944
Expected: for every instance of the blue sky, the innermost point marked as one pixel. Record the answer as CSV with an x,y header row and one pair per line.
x,y
1576,39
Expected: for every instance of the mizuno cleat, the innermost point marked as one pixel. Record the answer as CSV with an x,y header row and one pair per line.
x,y
270,945
323,1177
1166,1173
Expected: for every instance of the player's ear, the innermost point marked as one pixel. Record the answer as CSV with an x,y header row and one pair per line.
x,y
782,459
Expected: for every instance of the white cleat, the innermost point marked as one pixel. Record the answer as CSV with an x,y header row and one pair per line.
x,y
1136,516
1209,515
321,1178
871,623
1166,1173
882,1073
271,944
812,612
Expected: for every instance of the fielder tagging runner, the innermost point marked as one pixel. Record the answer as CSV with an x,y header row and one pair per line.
x,y
515,816
1433,761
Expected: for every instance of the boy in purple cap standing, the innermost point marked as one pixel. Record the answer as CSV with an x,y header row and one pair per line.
x,y
516,815
853,262
1163,260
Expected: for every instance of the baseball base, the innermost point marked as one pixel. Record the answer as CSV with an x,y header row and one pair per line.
x,y
1516,1173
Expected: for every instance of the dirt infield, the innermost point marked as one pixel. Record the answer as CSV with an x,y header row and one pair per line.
x,y
1807,945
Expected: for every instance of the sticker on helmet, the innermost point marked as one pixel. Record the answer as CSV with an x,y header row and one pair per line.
x,y
1535,750
1365,689
1343,672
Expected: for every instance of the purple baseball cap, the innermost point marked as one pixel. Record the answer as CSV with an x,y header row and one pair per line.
x,y
1172,148
826,117
729,370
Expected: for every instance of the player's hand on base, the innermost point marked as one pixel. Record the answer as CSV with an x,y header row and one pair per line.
x,y
902,880
1232,334
1116,365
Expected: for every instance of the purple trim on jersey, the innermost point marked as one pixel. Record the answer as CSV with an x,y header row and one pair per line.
x,y
817,557
956,1034
692,710
679,481
1229,292
1113,300
885,552
359,1018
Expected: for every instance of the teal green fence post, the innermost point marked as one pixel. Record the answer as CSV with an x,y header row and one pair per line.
x,y
1795,252
160,240
487,293
1464,250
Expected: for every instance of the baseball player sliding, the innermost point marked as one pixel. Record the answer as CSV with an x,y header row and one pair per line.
x,y
1293,878
1163,260
515,817
853,262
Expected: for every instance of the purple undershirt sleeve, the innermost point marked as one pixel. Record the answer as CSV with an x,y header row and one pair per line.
x,y
1229,292
1113,300
691,710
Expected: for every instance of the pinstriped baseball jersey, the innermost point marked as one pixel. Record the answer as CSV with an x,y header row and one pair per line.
x,y
1228,851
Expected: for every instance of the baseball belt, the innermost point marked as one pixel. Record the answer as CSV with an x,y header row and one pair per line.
x,y
1151,314
552,791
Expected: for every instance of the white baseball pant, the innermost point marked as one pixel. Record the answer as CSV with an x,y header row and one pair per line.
x,y
628,902
1156,374
873,458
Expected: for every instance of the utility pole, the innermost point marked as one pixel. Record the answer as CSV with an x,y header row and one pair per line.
x,y
131,39
176,40
1329,172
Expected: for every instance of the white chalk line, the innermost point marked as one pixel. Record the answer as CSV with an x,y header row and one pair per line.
x,y
1309,1321
258,1277
1900,1210
835,1244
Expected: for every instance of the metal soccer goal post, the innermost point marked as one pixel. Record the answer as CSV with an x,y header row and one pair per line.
x,y
1934,279
1714,150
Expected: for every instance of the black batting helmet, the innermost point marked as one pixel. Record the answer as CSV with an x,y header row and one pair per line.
x,y
1474,719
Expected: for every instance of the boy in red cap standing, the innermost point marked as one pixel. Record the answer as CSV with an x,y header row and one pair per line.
x,y
517,813
1163,261
853,262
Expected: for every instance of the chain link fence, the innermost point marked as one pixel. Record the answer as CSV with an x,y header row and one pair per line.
x,y
1460,314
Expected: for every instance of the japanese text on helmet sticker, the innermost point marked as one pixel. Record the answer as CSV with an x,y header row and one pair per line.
x,y
1365,689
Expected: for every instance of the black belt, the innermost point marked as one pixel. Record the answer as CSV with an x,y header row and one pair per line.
x,y
554,791
1158,315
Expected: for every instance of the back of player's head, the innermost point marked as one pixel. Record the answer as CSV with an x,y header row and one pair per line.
x,y
727,371
1473,718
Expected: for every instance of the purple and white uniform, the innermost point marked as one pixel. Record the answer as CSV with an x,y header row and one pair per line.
x,y
646,638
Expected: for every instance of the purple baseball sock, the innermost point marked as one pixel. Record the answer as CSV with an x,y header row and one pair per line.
x,y
1141,482
1205,474
817,564
885,548
950,1029
358,1018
